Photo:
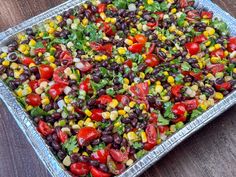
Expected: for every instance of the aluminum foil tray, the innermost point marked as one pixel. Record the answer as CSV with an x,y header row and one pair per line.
x,y
37,142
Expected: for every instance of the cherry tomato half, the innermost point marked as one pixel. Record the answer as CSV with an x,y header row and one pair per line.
x,y
140,90
123,99
85,85
183,3
27,61
218,53
33,99
180,119
136,48
101,7
119,156
163,129
176,90
192,47
84,66
153,118
86,135
104,99
179,109
148,146
151,60
98,173
151,132
63,137
96,114
115,168
215,68
45,71
59,76
231,44
66,56
79,168
108,29
44,128
140,38
100,155
199,39
206,15
33,84
191,104
56,90
128,63
223,86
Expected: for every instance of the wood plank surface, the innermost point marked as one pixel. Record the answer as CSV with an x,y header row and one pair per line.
x,y
209,153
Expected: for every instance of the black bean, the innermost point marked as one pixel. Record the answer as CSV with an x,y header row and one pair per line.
x,y
96,78
74,158
125,120
219,81
96,142
83,158
94,163
2,69
56,146
56,115
117,138
103,167
61,154
107,139
134,122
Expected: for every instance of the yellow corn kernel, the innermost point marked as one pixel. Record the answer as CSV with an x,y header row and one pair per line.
x,y
114,103
210,30
166,73
53,65
159,88
125,136
141,7
172,28
51,30
132,136
226,53
208,43
173,11
104,57
106,115
128,42
133,30
205,33
211,49
6,63
158,83
103,15
121,50
170,79
85,21
127,109
19,92
159,141
98,58
85,154
126,81
76,150
51,59
88,112
59,18
125,86
32,43
234,70
117,124
121,112
68,100
29,107
180,33
87,121
108,19
150,1
132,104
3,55
142,106
143,137
81,123
141,75
165,98
27,90
218,96
148,82
113,20
126,115
113,115
22,47
32,65
217,46
45,101
140,27
204,105
215,60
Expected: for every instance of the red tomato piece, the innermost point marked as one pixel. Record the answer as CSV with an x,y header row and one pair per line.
x,y
59,76
140,90
193,15
206,15
183,3
107,49
151,49
104,99
39,50
27,61
84,66
215,68
151,60
33,84
163,129
176,90
153,118
45,71
44,128
140,38
151,132
149,146
192,47
136,48
198,76
79,168
85,85
119,156
199,39
223,86
160,15
179,119
152,25
63,137
33,99
98,173
66,56
86,135
218,53
115,168
101,7
96,114
108,29
128,63
179,109
231,44
191,104
56,90
100,155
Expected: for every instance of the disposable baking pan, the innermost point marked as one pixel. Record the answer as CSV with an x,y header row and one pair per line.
x,y
37,142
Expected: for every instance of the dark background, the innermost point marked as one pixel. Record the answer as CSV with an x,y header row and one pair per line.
x,y
210,153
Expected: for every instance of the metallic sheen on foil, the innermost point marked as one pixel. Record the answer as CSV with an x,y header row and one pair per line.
x,y
54,167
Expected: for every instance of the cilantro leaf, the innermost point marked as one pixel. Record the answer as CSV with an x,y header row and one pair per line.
x,y
168,110
98,147
137,145
181,19
140,154
37,111
110,91
39,45
221,26
162,120
185,66
196,113
70,144
179,78
100,85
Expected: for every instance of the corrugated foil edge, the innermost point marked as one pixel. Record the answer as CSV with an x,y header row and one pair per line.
x,y
37,142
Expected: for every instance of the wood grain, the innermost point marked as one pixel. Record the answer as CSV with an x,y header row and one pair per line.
x,y
209,153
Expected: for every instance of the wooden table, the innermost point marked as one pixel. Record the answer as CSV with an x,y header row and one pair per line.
x,y
210,152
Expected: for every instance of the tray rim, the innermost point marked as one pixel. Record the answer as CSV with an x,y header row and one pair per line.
x,y
52,165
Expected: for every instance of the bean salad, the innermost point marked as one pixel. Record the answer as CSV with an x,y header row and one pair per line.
x,y
107,81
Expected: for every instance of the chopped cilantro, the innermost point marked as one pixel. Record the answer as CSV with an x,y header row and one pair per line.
x,y
185,66
137,145
110,91
140,154
70,144
37,111
98,147
221,26
181,20
196,113
168,110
